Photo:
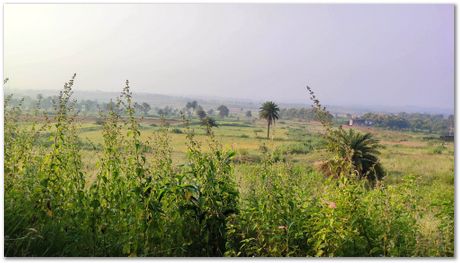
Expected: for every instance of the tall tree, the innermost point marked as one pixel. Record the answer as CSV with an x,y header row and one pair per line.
x,y
248,114
137,106
146,108
270,112
208,122
223,111
201,114
191,105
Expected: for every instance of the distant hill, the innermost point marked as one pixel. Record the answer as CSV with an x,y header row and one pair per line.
x,y
234,104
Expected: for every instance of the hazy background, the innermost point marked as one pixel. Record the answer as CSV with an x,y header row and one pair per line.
x,y
369,55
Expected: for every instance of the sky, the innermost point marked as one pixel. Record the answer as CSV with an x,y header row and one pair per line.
x,y
355,54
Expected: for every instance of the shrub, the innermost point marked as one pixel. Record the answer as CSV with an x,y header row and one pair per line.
x,y
176,131
99,121
439,149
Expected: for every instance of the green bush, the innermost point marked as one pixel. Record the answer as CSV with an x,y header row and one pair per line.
x,y
176,131
439,149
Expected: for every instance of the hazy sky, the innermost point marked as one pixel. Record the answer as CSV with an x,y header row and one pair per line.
x,y
349,54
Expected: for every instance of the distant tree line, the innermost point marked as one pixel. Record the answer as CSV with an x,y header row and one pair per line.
x,y
437,123
193,108
47,104
92,107
308,114
167,111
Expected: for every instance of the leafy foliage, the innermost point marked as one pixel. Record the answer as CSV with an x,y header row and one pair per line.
x,y
137,203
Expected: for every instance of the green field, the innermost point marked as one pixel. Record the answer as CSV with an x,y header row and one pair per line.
x,y
404,153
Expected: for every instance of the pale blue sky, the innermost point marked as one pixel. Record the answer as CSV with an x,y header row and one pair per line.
x,y
349,54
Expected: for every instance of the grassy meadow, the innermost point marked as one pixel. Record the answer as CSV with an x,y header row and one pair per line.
x,y
404,153
133,186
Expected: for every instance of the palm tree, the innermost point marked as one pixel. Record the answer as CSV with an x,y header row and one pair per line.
x,y
362,149
270,112
354,151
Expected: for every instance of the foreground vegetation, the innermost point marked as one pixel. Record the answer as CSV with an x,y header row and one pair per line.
x,y
74,189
